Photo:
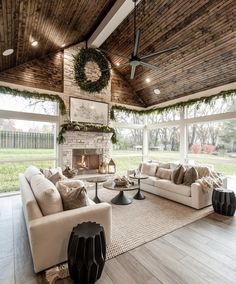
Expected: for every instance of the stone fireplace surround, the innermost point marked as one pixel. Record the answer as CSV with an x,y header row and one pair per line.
x,y
99,142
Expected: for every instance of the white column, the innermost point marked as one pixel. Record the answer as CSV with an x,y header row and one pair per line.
x,y
145,140
183,138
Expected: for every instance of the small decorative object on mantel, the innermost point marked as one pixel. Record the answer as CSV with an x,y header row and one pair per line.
x,y
68,172
81,59
111,167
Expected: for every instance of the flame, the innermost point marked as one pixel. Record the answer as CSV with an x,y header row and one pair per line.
x,y
82,163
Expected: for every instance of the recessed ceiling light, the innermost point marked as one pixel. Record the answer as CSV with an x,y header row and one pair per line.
x,y
148,80
157,91
8,52
117,64
34,43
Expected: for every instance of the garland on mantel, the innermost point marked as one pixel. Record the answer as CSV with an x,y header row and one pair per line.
x,y
35,95
178,106
78,126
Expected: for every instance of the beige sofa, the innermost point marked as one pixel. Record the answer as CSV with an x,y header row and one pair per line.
x,y
193,196
49,235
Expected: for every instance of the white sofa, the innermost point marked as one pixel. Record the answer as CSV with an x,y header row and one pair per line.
x,y
193,196
49,235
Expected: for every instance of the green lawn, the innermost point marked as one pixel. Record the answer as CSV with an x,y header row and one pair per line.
x,y
124,160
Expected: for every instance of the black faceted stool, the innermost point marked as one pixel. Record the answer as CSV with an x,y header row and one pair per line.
x,y
86,253
224,201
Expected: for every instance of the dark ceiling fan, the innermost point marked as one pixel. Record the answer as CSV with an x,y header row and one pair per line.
x,y
135,60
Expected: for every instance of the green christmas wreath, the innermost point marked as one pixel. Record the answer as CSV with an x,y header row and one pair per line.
x,y
81,59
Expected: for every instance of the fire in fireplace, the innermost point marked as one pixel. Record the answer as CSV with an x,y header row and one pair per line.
x,y
86,160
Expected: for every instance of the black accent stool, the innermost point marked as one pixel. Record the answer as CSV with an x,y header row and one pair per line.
x,y
86,252
121,199
224,201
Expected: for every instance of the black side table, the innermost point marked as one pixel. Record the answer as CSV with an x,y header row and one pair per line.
x,y
86,252
224,201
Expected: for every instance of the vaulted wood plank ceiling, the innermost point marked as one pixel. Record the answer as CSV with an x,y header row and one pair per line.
x,y
205,31
51,22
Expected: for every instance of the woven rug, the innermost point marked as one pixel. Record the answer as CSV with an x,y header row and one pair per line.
x,y
142,221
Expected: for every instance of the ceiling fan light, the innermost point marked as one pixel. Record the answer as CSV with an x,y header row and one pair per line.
x,y
157,91
8,52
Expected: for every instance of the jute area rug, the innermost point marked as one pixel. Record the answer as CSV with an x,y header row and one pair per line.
x,y
144,220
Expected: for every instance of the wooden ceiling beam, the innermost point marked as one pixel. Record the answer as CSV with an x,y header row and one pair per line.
x,y
120,10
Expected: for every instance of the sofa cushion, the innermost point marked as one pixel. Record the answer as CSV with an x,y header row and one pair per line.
x,y
178,174
46,194
150,180
31,171
73,194
164,173
190,176
149,169
176,188
164,165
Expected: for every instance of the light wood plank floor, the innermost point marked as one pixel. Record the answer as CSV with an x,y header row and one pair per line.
x,y
202,252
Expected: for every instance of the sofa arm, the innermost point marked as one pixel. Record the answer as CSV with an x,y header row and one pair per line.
x,y
49,235
200,198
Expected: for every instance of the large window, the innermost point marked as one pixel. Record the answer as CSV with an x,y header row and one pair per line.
x,y
214,143
200,134
164,144
127,153
27,136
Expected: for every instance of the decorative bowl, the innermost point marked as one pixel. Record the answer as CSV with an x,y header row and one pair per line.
x,y
119,182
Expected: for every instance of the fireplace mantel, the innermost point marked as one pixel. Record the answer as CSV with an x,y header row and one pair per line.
x,y
86,140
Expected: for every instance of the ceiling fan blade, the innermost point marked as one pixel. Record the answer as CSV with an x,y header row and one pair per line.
x,y
136,43
150,66
114,53
133,68
159,52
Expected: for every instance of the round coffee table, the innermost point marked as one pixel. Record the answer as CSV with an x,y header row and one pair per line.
x,y
120,198
96,180
139,195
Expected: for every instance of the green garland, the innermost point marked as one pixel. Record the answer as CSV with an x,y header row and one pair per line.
x,y
78,126
81,59
178,106
35,95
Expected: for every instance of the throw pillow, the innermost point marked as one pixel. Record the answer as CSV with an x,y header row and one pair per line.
x,y
51,171
164,173
190,176
46,194
178,174
149,169
55,178
164,165
73,194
